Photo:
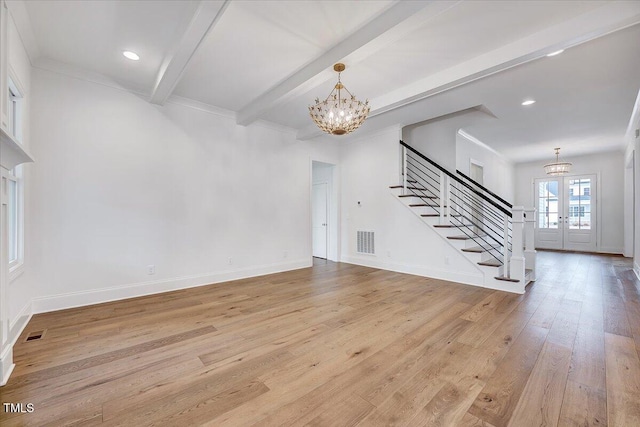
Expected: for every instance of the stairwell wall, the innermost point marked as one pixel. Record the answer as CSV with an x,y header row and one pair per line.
x,y
403,242
499,172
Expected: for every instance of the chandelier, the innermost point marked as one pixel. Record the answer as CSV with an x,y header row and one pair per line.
x,y
557,167
339,114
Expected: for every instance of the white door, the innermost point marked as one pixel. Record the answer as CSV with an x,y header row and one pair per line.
x,y
580,213
566,213
319,220
476,173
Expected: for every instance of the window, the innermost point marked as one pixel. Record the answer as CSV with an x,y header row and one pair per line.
x,y
548,204
587,191
576,211
15,188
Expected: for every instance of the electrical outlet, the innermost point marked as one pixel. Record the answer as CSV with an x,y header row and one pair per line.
x,y
151,269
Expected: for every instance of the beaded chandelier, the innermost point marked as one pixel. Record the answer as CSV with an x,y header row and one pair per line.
x,y
558,167
339,113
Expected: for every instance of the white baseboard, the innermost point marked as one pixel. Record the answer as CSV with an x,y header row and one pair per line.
x,y
16,327
418,270
610,250
97,296
6,364
18,324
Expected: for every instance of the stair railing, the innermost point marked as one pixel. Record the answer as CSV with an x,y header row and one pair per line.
x,y
490,221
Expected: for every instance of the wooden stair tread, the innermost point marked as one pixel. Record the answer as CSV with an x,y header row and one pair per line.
x,y
461,237
433,215
490,263
506,279
408,188
445,226
422,205
475,250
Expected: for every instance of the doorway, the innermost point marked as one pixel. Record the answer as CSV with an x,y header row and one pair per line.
x,y
319,216
566,213
476,173
324,211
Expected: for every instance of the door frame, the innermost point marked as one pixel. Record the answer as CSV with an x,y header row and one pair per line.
x,y
326,224
598,210
480,214
333,207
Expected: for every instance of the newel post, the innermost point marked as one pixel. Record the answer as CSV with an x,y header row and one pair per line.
x,y
404,170
517,244
530,246
443,196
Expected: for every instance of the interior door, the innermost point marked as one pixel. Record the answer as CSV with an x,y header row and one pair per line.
x,y
476,173
566,213
319,220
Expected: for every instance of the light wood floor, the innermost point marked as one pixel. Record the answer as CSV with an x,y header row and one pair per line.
x,y
339,344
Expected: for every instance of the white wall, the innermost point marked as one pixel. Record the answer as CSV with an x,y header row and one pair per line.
x,y
20,291
498,170
121,184
609,168
632,188
437,138
402,241
636,237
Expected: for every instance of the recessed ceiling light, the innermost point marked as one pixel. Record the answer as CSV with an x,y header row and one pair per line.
x,y
528,102
557,52
131,55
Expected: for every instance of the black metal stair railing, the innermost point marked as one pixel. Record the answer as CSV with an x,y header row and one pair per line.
x,y
477,212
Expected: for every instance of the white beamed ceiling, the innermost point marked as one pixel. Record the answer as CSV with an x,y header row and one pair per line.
x,y
260,60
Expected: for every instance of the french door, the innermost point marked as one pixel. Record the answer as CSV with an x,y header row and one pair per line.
x,y
566,213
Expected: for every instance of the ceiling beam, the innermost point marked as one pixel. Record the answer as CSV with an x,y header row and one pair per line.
x,y
206,16
309,74
599,22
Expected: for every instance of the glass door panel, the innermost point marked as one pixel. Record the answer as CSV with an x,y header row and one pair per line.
x,y
548,203
566,213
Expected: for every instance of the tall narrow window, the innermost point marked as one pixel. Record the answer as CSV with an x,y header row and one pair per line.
x,y
15,187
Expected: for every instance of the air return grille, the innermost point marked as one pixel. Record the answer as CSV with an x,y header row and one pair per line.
x,y
33,336
366,242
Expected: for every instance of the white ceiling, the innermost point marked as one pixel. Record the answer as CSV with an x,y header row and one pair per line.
x,y
413,60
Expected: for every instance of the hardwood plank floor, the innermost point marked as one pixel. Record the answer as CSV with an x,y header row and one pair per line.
x,y
338,344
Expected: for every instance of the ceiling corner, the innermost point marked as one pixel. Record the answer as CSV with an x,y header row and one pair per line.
x,y
20,16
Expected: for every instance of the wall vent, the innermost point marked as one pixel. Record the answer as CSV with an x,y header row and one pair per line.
x,y
33,336
366,242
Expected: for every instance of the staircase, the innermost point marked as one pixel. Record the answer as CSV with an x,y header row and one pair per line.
x,y
491,233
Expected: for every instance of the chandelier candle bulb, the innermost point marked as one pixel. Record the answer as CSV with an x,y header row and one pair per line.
x,y
339,114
